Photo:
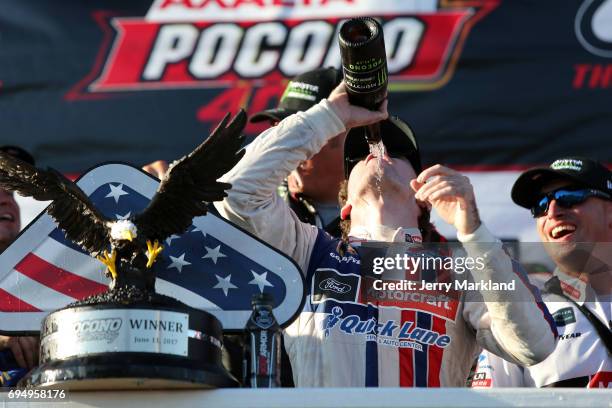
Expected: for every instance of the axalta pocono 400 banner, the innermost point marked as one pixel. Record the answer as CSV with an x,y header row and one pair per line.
x,y
489,86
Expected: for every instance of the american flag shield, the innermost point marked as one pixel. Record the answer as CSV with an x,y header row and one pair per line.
x,y
213,266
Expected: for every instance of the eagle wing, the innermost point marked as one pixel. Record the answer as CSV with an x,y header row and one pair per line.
x,y
70,207
191,182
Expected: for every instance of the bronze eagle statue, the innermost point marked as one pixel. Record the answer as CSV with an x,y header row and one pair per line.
x,y
183,193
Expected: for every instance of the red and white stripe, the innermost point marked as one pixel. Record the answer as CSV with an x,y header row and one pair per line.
x,y
48,276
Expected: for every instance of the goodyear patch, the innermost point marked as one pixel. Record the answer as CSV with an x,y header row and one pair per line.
x,y
564,316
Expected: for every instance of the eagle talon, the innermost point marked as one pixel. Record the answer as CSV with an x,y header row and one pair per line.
x,y
109,261
153,250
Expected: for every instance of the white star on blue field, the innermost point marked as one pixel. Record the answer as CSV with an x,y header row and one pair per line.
x,y
213,253
224,284
179,262
116,192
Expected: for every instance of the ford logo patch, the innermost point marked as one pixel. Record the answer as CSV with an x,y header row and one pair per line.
x,y
334,286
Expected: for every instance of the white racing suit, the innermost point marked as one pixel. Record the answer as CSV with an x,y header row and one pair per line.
x,y
580,358
342,340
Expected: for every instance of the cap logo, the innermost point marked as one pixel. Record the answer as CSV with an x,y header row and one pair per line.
x,y
301,90
567,164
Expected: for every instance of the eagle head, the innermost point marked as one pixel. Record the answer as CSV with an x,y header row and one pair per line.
x,y
123,230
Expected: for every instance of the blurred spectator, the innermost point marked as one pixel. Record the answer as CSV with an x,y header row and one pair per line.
x,y
572,203
10,223
312,188
158,168
15,351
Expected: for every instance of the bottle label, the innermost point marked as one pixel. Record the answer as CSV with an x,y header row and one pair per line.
x,y
366,76
263,353
366,65
263,319
264,359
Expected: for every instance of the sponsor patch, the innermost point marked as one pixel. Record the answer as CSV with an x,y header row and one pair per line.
x,y
567,164
602,379
327,283
480,380
385,333
436,303
564,316
301,90
570,336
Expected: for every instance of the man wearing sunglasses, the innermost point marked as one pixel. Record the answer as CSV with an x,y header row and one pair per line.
x,y
571,202
343,337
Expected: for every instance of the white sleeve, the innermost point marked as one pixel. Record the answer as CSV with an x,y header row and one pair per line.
x,y
253,203
495,372
514,324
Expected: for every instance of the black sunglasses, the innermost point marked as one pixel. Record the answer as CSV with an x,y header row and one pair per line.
x,y
566,199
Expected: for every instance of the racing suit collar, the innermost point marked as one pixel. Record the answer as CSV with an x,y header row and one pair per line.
x,y
574,287
383,233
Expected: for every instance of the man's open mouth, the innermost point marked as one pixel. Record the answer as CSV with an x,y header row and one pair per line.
x,y
562,230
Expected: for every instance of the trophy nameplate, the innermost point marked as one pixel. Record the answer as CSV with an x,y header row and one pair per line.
x,y
146,344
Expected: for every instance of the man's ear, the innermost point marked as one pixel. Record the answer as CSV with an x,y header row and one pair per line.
x,y
345,211
415,185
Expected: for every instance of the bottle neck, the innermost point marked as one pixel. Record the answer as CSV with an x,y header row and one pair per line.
x,y
262,307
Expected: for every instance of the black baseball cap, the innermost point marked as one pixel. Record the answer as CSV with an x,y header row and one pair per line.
x,y
302,92
398,138
18,152
579,170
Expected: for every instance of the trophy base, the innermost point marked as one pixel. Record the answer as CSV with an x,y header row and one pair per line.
x,y
155,343
127,373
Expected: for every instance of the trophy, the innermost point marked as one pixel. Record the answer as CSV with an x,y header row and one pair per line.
x,y
129,336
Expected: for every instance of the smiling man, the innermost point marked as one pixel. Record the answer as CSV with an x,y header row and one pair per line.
x,y
9,219
342,338
10,223
571,202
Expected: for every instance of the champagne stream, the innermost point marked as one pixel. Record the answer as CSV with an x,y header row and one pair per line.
x,y
378,149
